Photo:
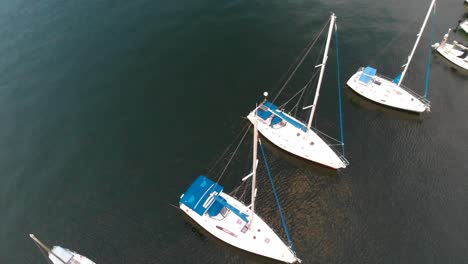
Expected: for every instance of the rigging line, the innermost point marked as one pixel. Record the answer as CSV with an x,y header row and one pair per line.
x,y
339,89
317,71
233,154
301,55
227,149
43,253
296,107
290,99
303,92
322,133
300,62
394,39
283,220
429,59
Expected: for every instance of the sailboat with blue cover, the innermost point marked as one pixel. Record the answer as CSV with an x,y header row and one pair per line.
x,y
229,220
390,92
292,135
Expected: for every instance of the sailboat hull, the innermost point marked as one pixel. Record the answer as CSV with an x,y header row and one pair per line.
x,y
385,92
450,53
464,25
68,256
259,239
307,145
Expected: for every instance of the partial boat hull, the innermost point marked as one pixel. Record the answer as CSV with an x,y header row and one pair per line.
x,y
259,239
305,144
450,53
464,25
384,91
68,256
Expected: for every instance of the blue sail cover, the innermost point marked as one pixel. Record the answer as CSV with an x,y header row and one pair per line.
x,y
273,109
367,74
199,192
265,114
221,201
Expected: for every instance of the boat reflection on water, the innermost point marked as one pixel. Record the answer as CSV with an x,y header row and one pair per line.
x,y
358,100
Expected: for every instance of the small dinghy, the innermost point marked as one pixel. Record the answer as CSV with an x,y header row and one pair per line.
x,y
455,52
60,255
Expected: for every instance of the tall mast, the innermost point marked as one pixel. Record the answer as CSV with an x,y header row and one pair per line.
x,y
254,166
322,69
417,41
47,249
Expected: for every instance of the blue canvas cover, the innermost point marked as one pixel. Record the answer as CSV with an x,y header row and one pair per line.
x,y
217,207
199,192
276,120
263,114
280,115
367,74
220,200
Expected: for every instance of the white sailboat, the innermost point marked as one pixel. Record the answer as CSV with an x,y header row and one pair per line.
x,y
380,89
292,135
455,52
230,220
60,255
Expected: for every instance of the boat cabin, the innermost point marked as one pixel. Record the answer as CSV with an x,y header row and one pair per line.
x,y
268,113
204,197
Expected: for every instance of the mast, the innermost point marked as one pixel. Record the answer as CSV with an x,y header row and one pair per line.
x,y
417,41
254,166
322,69
47,249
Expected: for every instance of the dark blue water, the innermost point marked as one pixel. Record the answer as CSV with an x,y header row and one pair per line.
x,y
109,109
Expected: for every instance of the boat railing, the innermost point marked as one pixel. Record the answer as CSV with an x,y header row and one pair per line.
x,y
421,98
327,139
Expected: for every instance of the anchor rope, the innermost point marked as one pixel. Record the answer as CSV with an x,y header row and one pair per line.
x,y
339,89
283,220
429,59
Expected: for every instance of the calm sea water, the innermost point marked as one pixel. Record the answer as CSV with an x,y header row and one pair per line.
x,y
109,109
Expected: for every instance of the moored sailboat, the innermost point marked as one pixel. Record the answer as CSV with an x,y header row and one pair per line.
x,y
229,220
60,255
292,135
390,92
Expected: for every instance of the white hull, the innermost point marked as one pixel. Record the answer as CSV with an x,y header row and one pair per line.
x,y
67,255
464,25
384,91
259,239
451,54
307,145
